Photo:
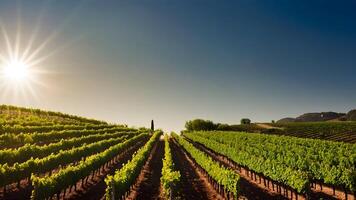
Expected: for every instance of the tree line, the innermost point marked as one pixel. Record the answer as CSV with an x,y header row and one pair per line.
x,y
208,125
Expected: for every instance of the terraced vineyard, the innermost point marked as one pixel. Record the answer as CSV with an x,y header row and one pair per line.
x,y
335,131
11,116
89,159
45,154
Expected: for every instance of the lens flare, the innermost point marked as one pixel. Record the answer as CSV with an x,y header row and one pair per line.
x,y
16,71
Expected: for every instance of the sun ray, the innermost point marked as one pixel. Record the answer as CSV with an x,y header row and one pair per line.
x,y
54,34
37,82
5,90
55,51
7,40
21,72
32,91
35,31
3,59
41,46
18,31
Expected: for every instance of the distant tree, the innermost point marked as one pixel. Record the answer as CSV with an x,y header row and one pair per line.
x,y
351,116
200,125
273,122
223,127
152,125
245,121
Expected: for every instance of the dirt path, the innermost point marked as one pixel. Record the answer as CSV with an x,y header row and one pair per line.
x,y
267,126
193,184
148,186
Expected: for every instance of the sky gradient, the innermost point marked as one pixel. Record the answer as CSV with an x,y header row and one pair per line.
x,y
171,61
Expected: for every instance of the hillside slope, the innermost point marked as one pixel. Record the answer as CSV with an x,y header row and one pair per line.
x,y
316,117
13,115
341,131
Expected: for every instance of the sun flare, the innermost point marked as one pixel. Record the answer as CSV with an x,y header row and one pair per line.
x,y
16,71
21,63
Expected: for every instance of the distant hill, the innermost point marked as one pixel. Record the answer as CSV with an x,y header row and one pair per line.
x,y
321,116
341,131
286,120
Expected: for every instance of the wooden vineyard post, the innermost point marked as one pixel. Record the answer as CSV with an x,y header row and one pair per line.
x,y
170,192
307,194
346,196
237,190
334,190
112,191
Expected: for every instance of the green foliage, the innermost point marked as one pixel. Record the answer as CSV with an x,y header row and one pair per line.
x,y
169,178
118,184
17,129
12,115
223,176
11,140
337,131
48,186
351,115
19,171
288,160
27,151
245,121
41,141
207,125
200,125
223,127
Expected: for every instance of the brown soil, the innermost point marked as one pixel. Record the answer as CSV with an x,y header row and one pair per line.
x,y
249,188
94,189
148,182
267,126
326,192
14,193
266,192
193,184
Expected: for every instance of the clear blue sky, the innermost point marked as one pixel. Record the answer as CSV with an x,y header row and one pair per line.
x,y
171,61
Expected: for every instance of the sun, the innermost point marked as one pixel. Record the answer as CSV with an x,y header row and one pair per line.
x,y
16,71
24,57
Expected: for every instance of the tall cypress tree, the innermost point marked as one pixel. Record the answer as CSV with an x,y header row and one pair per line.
x,y
152,125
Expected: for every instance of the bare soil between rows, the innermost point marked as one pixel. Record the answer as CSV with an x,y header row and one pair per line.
x,y
147,186
193,184
94,189
249,190
253,189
